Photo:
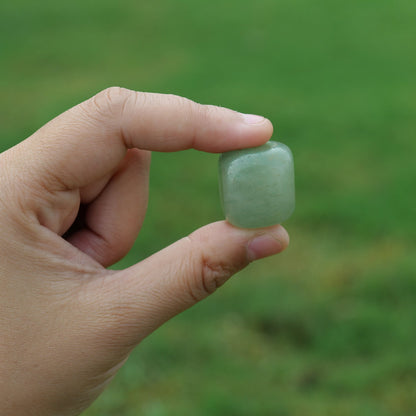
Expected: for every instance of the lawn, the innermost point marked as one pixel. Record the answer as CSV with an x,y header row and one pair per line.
x,y
329,326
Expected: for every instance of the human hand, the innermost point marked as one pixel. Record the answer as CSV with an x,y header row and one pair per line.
x,y
72,200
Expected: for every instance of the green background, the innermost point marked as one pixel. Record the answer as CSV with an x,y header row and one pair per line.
x,y
329,326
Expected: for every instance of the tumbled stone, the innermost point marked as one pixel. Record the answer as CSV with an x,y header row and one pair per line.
x,y
257,185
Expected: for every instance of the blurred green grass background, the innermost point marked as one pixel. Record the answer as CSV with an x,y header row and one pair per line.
x,y
326,328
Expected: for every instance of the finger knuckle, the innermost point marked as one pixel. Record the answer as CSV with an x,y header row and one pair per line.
x,y
208,274
111,101
213,275
190,109
198,112
193,115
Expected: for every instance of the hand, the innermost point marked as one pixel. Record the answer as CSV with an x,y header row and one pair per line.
x,y
72,199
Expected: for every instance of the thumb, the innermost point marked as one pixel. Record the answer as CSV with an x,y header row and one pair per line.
x,y
170,281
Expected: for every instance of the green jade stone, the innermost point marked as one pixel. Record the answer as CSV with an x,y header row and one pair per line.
x,y
257,185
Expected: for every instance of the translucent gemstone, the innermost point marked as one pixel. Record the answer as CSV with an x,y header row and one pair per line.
x,y
257,185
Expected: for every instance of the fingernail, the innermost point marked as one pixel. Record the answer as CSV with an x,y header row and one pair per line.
x,y
263,246
252,118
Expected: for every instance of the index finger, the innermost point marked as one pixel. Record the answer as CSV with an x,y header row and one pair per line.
x,y
89,141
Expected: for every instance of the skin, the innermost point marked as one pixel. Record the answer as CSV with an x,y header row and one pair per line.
x,y
72,200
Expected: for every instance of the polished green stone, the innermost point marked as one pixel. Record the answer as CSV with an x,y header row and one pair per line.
x,y
257,185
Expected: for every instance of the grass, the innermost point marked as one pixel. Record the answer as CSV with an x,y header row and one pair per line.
x,y
326,328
